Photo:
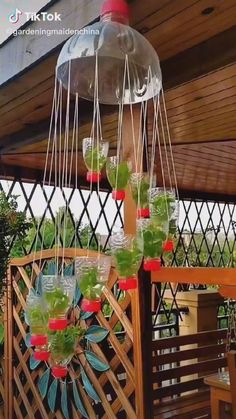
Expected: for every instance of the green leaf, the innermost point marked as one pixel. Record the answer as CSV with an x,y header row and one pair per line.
x,y
78,401
68,270
43,383
27,340
77,296
64,401
51,268
52,395
84,315
33,363
88,386
96,334
96,362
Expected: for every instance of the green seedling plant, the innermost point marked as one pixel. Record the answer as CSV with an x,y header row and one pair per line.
x,y
63,343
89,284
128,261
118,175
38,319
163,207
140,193
57,303
172,228
153,238
94,159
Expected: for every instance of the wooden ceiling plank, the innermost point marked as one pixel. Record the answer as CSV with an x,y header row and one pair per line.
x,y
199,28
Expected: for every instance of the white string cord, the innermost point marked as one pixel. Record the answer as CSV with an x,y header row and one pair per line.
x,y
65,161
170,145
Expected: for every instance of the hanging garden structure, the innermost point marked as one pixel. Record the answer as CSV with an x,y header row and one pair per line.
x,y
110,64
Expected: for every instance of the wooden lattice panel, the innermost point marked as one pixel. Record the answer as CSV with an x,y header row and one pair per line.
x,y
115,387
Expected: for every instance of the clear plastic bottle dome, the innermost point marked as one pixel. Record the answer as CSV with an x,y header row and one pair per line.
x,y
111,40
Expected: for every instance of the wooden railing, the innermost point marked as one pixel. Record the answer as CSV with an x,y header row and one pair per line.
x,y
120,388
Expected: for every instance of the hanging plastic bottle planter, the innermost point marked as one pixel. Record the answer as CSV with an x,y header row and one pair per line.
x,y
164,210
140,185
153,235
38,320
118,174
58,293
173,223
62,345
128,253
95,156
92,274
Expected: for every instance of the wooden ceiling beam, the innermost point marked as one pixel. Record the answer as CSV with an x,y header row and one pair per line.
x,y
208,56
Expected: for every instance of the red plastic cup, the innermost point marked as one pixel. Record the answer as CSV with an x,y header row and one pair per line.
x,y
168,246
126,284
57,324
151,265
143,212
59,372
91,306
41,356
118,195
38,340
93,177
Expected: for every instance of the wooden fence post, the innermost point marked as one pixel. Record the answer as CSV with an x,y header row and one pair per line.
x,y
141,297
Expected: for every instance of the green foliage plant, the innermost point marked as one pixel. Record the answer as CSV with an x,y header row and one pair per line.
x,y
94,159
118,174
62,344
89,285
57,303
13,224
163,207
140,188
153,238
128,261
38,319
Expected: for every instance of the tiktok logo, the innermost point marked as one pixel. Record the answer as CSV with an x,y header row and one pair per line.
x,y
15,16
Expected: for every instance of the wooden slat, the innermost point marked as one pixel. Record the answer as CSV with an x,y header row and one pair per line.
x,y
201,337
187,354
219,276
211,365
178,388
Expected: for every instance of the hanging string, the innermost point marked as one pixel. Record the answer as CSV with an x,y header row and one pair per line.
x,y
65,166
165,147
76,157
170,145
52,119
132,118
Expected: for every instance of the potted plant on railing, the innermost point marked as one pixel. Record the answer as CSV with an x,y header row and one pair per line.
x,y
37,318
153,235
128,252
118,174
95,156
140,185
58,293
62,347
92,274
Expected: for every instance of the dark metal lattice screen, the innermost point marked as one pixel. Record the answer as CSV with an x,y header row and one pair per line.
x,y
206,234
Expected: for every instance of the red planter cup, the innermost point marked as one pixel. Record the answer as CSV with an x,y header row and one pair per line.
x,y
59,372
57,324
91,306
41,356
151,265
168,246
126,284
38,340
143,213
93,177
118,195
